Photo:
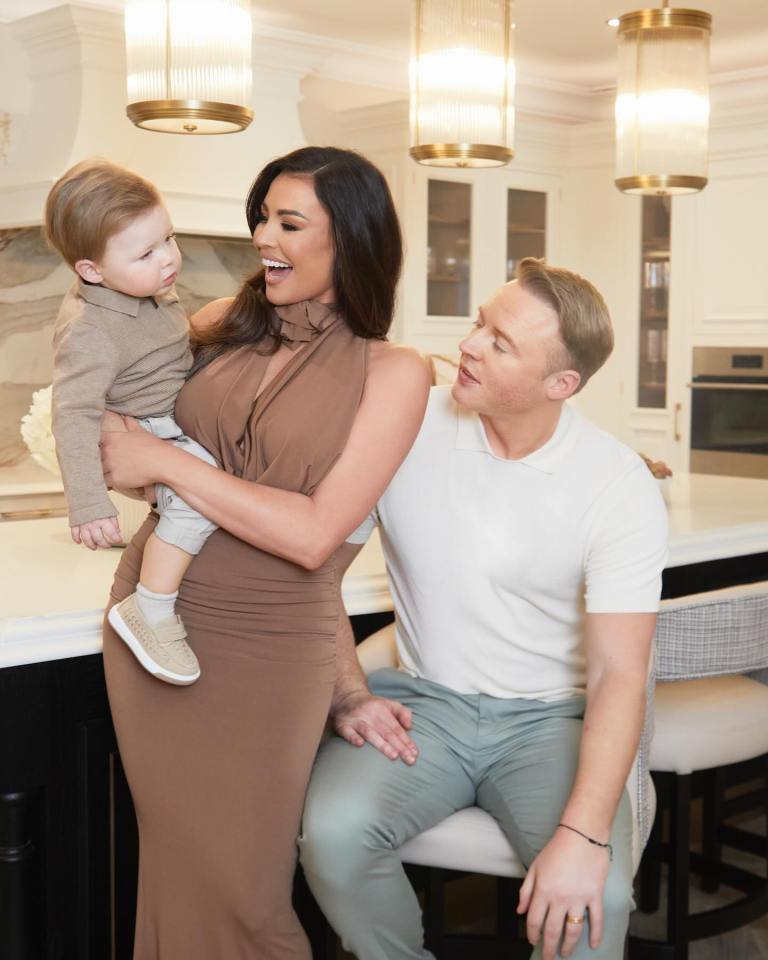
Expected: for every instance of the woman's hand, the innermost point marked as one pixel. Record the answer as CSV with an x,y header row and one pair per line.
x,y
360,717
134,458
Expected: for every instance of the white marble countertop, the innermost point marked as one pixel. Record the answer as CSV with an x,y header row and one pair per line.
x,y
43,573
26,477
711,518
42,570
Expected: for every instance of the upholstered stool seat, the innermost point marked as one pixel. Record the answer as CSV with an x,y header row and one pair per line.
x,y
469,840
710,722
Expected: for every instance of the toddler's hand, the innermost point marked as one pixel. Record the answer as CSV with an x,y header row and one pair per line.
x,y
98,533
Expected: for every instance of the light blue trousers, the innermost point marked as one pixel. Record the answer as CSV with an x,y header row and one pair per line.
x,y
514,758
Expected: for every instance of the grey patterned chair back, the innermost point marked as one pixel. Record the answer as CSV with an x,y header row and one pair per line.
x,y
639,784
715,633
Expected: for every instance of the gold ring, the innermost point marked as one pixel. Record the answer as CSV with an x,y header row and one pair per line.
x,y
577,920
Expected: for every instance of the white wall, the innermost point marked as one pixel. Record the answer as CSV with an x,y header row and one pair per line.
x,y
68,66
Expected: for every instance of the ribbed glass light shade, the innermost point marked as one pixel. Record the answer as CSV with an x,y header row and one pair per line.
x,y
462,83
189,65
662,102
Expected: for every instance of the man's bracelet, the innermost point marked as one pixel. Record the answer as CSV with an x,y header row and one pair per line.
x,y
605,846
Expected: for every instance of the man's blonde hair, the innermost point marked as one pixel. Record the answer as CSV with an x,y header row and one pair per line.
x,y
91,202
585,323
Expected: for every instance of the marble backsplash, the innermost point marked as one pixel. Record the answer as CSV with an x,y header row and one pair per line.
x,y
33,280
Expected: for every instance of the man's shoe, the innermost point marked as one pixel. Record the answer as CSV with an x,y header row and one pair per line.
x,y
161,649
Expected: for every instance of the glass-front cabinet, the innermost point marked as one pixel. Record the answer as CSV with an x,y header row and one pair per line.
x,y
654,303
449,248
526,227
477,232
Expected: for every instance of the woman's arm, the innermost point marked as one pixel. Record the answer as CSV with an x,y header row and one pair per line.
x,y
303,529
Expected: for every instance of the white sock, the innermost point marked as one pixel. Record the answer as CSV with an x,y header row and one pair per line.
x,y
155,606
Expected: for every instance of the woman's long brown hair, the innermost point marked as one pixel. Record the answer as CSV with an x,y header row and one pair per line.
x,y
367,252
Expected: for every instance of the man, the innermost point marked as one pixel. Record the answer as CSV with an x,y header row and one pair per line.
x,y
524,549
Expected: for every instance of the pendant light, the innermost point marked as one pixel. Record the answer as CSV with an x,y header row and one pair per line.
x,y
462,83
662,101
189,65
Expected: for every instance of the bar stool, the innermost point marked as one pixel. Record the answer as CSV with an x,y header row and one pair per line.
x,y
711,728
471,841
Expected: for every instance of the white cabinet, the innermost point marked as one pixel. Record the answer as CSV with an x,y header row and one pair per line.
x,y
718,278
718,286
465,231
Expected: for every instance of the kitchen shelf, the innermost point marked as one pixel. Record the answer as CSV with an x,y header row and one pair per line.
x,y
449,221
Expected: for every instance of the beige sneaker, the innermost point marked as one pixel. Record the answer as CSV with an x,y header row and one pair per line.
x,y
161,649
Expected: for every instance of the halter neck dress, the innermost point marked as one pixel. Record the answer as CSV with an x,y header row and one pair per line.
x,y
218,770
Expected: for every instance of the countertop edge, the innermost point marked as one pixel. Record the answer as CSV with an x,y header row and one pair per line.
x,y
26,640
705,545
59,636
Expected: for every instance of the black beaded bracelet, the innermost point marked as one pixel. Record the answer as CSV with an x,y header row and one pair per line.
x,y
605,846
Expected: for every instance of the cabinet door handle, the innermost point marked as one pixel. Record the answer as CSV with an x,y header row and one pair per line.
x,y
676,422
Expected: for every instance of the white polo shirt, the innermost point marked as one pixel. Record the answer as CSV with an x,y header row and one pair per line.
x,y
493,562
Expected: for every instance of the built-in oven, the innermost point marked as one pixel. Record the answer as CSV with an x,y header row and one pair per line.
x,y
729,412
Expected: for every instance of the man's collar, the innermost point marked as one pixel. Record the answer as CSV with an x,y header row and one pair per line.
x,y
108,299
470,435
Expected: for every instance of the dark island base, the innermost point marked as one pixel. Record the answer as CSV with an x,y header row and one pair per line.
x,y
714,574
68,843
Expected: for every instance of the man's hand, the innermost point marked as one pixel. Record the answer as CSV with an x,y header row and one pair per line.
x,y
567,879
360,717
98,533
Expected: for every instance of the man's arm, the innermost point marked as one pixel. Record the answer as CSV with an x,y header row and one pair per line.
x,y
358,716
568,876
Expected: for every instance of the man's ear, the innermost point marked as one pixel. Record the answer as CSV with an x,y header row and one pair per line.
x,y
563,384
89,271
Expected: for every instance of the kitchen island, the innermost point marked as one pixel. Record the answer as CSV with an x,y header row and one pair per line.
x,y
67,829
53,591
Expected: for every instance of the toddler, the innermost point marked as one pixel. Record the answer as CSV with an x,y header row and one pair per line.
x,y
121,344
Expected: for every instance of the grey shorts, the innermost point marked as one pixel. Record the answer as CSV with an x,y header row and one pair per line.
x,y
179,524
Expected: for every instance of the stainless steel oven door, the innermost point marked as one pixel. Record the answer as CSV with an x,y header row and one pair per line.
x,y
729,428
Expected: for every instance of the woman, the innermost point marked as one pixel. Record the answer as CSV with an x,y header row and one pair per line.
x,y
294,387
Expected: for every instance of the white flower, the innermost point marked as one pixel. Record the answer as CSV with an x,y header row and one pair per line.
x,y
36,431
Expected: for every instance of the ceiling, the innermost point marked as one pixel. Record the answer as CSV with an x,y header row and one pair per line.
x,y
557,40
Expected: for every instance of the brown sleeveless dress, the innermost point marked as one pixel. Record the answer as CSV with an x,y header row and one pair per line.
x,y
218,770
